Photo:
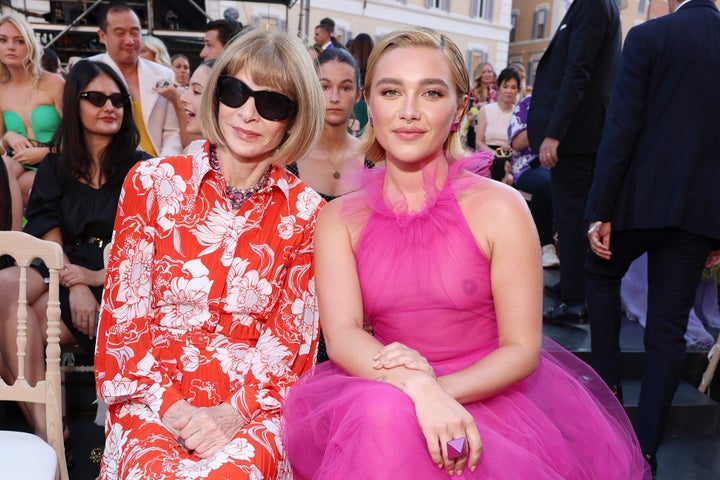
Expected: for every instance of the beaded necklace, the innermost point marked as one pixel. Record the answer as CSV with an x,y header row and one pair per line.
x,y
237,196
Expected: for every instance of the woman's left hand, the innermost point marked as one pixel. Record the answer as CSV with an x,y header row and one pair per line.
x,y
31,156
442,419
398,355
209,429
83,308
73,275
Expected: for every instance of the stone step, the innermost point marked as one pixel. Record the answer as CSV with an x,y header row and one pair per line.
x,y
633,363
692,413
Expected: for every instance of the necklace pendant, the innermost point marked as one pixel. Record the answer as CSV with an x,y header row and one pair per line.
x,y
336,175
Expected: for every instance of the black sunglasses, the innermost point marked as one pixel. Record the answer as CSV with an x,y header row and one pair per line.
x,y
99,99
270,105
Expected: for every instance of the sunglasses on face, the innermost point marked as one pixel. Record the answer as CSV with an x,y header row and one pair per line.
x,y
272,106
99,99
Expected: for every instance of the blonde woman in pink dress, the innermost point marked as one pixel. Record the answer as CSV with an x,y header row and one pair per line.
x,y
445,266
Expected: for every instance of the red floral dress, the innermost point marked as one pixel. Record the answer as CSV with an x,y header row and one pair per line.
x,y
206,304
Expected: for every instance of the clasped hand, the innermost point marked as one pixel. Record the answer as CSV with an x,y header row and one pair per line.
x,y
441,417
24,152
203,431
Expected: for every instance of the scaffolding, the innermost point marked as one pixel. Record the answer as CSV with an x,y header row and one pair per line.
x,y
70,26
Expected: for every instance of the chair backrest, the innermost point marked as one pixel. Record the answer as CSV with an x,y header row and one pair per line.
x,y
24,249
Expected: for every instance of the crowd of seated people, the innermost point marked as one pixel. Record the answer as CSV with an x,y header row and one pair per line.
x,y
68,148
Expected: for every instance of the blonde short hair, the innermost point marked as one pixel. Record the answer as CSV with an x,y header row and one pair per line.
x,y
417,37
280,61
33,62
158,48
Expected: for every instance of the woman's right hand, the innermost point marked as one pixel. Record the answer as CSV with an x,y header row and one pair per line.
x,y
397,354
17,142
31,156
442,418
73,275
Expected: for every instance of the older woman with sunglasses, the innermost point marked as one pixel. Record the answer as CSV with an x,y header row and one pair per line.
x,y
209,314
73,203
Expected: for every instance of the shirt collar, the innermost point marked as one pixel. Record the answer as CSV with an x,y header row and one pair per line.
x,y
681,5
279,178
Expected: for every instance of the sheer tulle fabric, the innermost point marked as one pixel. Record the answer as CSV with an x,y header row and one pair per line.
x,y
426,284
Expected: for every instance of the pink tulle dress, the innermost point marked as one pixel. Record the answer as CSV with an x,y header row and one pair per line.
x,y
426,283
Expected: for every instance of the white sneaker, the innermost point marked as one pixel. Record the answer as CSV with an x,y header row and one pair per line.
x,y
549,256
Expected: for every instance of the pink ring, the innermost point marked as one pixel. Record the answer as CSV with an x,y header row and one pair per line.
x,y
456,447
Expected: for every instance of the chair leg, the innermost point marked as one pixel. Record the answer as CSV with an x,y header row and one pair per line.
x,y
707,377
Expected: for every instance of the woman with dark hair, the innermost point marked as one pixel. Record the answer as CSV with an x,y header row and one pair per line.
x,y
50,61
492,124
181,68
337,153
190,101
73,203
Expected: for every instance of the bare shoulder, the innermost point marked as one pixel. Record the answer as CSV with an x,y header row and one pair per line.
x,y
336,218
483,196
53,84
493,211
52,81
331,212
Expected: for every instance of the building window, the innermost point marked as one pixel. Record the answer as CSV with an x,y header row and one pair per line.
x,y
443,5
513,26
475,57
532,68
539,23
269,21
482,9
641,7
342,34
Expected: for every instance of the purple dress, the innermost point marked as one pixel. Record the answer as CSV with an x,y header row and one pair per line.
x,y
426,283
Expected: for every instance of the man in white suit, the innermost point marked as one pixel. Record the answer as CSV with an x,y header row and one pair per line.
x,y
154,114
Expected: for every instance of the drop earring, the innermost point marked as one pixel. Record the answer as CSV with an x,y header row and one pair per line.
x,y
370,120
454,126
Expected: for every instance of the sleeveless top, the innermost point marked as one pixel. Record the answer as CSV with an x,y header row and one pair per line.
x,y
44,120
496,131
293,168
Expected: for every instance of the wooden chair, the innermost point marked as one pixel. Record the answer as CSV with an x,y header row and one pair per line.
x,y
713,359
24,248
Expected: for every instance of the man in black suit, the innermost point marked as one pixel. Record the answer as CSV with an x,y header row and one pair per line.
x,y
571,94
656,190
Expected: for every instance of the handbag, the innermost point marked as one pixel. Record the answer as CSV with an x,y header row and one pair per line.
x,y
500,156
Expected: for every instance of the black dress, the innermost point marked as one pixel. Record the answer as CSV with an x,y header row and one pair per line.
x,y
293,168
85,216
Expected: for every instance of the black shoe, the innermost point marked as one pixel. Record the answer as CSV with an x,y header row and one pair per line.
x,y
564,313
617,391
553,290
652,461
